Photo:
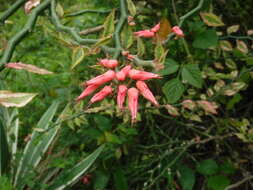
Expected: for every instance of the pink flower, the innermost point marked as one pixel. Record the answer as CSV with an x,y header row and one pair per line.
x,y
142,75
101,79
122,90
133,94
101,94
177,30
108,63
155,28
126,69
87,91
146,93
145,33
121,75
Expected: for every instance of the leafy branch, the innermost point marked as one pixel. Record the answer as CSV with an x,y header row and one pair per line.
x,y
14,41
11,10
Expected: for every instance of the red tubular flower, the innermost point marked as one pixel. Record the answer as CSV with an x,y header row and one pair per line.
x,y
141,75
155,28
101,94
101,79
145,33
121,75
122,90
108,63
126,69
146,93
87,91
177,30
133,94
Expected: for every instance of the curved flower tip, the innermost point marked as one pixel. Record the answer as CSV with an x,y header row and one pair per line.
x,y
101,94
101,79
178,31
133,94
155,28
145,33
146,93
87,91
142,75
126,69
121,76
108,63
122,90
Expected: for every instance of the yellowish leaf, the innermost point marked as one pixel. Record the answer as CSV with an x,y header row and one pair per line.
x,y
233,29
241,46
165,30
226,45
28,67
12,99
211,19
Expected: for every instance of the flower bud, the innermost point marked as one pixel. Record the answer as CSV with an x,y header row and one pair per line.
x,y
145,33
122,90
177,30
87,91
141,75
146,93
108,63
101,79
133,94
155,28
121,76
101,94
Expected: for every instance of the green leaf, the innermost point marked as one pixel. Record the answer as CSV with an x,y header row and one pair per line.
x,y
5,183
218,182
170,67
100,181
69,176
103,123
206,39
15,99
227,168
120,180
131,7
192,75
140,47
159,51
109,24
37,146
127,37
173,90
187,177
4,150
112,138
207,167
211,19
77,56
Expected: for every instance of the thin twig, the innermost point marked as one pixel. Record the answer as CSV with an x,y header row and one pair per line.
x,y
11,10
239,183
14,41
87,11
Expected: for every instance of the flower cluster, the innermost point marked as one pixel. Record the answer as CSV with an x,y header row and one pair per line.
x,y
122,90
150,33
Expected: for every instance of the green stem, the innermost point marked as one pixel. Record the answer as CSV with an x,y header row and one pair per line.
x,y
56,21
182,18
122,20
87,11
14,41
236,37
11,10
